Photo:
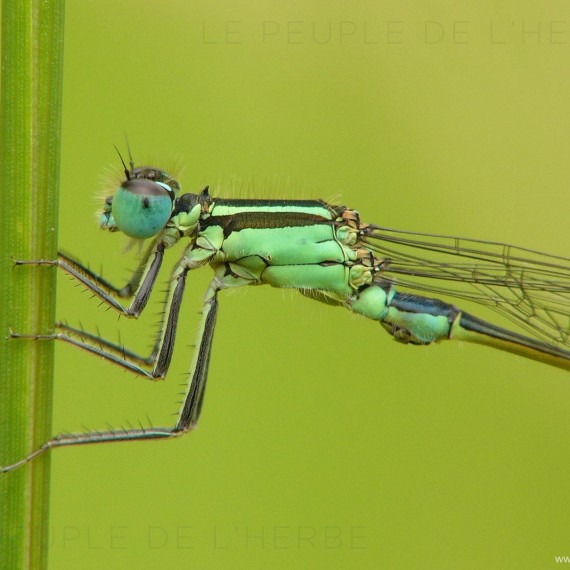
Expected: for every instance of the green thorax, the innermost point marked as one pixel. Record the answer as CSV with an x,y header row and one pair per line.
x,y
299,244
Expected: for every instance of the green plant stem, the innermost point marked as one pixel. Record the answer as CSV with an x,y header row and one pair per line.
x,y
30,118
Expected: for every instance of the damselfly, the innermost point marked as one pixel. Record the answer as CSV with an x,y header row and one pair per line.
x,y
327,254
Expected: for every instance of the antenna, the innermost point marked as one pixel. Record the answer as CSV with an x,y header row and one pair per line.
x,y
131,161
126,170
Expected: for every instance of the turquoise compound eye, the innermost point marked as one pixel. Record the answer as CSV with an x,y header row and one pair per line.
x,y
141,207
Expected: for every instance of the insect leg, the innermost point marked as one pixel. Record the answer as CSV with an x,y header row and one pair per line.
x,y
139,286
198,373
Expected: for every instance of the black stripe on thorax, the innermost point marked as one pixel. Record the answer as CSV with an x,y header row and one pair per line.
x,y
263,220
252,203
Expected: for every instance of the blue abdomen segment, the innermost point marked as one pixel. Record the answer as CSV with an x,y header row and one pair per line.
x,y
420,320
409,318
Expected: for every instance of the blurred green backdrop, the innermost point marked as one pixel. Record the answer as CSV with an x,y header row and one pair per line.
x,y
323,443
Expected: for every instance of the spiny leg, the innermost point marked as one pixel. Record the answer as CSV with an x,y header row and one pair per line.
x,y
191,408
139,286
154,366
106,345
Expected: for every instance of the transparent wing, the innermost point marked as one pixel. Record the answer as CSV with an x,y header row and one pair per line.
x,y
530,288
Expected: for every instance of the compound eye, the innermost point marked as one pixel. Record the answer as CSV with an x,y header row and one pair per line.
x,y
142,207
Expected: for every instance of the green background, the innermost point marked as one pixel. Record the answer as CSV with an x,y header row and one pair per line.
x,y
323,443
